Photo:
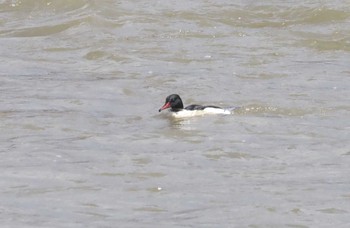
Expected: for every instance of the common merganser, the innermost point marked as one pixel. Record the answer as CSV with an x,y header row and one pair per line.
x,y
177,109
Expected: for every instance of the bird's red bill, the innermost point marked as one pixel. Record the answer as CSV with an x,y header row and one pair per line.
x,y
165,106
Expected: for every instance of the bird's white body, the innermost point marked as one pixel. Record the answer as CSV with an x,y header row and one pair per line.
x,y
207,111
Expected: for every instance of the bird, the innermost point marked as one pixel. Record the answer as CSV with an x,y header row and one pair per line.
x,y
177,109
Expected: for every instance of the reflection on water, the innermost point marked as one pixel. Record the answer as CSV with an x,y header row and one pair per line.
x,y
182,123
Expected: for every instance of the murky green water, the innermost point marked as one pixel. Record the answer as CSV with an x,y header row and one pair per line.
x,y
83,144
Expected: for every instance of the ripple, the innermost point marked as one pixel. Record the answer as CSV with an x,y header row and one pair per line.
x,y
333,211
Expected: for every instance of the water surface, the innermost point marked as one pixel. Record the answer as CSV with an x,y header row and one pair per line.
x,y
83,144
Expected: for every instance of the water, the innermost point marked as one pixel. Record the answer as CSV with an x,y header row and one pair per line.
x,y
83,144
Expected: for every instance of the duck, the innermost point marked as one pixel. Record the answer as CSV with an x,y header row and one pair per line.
x,y
175,104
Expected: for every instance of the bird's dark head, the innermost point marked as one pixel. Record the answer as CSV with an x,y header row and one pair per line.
x,y
174,102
